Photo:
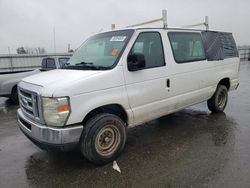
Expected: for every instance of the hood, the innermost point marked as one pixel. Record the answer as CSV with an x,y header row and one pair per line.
x,y
58,83
58,76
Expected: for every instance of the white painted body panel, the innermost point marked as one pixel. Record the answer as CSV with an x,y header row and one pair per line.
x,y
8,81
143,94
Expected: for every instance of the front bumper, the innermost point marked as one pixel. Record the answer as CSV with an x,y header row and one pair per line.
x,y
48,137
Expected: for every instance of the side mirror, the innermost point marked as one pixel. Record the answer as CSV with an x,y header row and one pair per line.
x,y
136,61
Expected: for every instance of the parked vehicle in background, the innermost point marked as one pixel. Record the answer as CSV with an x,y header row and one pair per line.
x,y
25,62
9,80
124,78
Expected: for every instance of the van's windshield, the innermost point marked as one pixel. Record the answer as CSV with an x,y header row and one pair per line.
x,y
101,51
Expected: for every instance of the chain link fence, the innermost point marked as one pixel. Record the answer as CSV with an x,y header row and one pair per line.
x,y
244,53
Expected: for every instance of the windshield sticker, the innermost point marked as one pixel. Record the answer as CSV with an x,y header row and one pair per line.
x,y
114,52
118,38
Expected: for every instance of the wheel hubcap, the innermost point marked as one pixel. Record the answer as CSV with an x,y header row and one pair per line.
x,y
107,140
222,99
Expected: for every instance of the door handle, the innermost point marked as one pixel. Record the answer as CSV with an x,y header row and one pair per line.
x,y
168,83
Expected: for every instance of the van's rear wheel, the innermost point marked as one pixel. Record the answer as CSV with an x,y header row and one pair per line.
x,y
218,101
103,138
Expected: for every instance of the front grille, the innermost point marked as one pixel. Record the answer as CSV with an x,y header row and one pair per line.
x,y
29,103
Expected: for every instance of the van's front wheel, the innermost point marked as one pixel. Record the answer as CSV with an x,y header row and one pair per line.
x,y
103,138
218,101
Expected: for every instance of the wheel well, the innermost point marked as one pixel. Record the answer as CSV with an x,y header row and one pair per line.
x,y
13,88
115,109
225,82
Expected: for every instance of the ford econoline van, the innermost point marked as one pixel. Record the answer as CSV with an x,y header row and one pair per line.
x,y
124,78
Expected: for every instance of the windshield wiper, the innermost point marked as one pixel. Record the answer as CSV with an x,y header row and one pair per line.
x,y
86,67
85,63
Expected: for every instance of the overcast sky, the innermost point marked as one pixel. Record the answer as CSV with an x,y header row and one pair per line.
x,y
30,23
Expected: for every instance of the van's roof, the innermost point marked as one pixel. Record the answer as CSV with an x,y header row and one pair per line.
x,y
176,28
169,28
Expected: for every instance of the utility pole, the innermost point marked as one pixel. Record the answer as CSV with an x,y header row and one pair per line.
x,y
112,27
54,36
9,50
68,47
11,61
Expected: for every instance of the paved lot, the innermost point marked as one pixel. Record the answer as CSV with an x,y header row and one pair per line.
x,y
191,148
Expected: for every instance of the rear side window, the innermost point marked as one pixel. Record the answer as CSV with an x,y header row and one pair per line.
x,y
150,45
44,63
219,45
187,46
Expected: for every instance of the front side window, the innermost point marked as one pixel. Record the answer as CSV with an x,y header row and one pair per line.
x,y
101,51
150,45
186,46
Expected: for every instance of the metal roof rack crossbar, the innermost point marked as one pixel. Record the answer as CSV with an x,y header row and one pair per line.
x,y
163,19
199,24
165,25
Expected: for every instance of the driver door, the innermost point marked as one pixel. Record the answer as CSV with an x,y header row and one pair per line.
x,y
148,88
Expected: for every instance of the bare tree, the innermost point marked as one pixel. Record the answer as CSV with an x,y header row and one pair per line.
x,y
21,50
40,50
27,50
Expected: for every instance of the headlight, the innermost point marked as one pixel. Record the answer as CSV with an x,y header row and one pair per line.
x,y
55,110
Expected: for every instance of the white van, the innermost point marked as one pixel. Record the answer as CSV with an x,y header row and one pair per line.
x,y
124,78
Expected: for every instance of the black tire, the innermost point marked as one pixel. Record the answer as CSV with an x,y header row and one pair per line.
x,y
103,138
218,102
14,95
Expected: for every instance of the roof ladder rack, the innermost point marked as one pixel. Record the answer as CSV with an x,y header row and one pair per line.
x,y
199,24
165,25
163,19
